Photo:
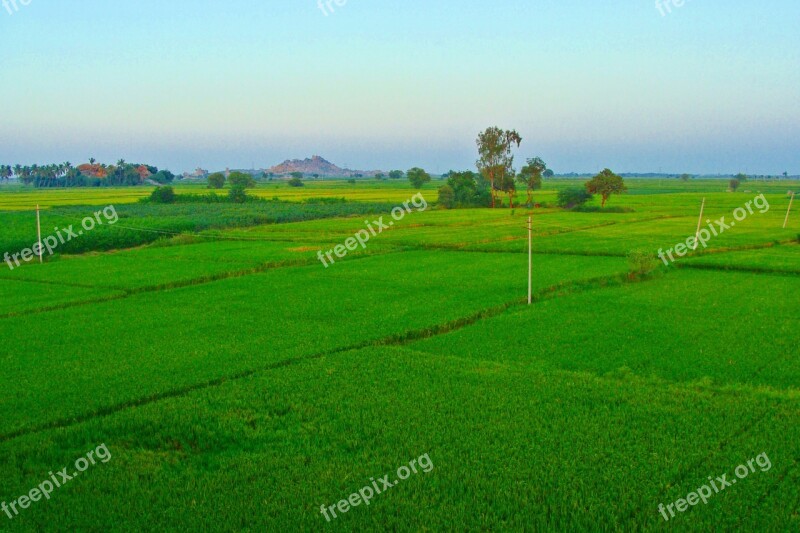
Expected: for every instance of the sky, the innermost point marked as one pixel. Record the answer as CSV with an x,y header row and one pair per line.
x,y
711,86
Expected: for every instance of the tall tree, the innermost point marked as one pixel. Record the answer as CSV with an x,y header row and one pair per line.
x,y
605,184
495,161
531,176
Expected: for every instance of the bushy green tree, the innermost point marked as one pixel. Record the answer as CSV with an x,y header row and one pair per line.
x,y
507,184
241,179
216,180
605,184
396,175
531,176
296,182
418,177
469,189
447,197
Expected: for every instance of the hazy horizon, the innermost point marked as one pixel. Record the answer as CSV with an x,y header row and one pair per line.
x,y
711,87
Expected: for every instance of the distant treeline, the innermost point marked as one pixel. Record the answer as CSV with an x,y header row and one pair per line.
x,y
91,174
656,175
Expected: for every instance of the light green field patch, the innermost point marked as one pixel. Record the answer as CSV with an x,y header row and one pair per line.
x,y
723,328
191,335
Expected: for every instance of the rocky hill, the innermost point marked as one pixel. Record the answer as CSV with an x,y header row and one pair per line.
x,y
317,165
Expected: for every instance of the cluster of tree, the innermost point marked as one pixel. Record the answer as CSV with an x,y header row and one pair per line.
x,y
239,183
465,189
496,165
498,176
91,175
496,162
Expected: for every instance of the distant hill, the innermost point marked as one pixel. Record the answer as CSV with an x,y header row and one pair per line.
x,y
318,165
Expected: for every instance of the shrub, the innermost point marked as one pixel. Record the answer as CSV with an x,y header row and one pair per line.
x,y
237,194
641,263
570,198
163,195
325,200
296,182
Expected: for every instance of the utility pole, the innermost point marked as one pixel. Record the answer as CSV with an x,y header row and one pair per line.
x,y
39,233
530,260
699,223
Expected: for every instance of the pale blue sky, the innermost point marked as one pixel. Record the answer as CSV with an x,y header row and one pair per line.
x,y
713,86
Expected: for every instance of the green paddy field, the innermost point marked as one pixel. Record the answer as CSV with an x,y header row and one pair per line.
x,y
239,385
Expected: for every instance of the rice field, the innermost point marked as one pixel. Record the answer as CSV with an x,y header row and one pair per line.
x,y
239,384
